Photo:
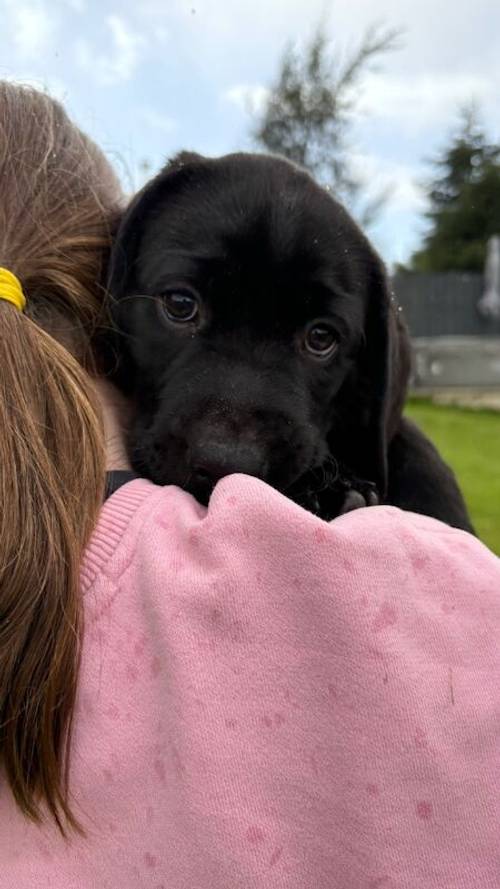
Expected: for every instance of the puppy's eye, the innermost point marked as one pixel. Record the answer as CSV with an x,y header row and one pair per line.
x,y
320,340
180,305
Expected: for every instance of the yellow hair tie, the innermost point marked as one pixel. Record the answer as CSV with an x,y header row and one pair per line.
x,y
11,290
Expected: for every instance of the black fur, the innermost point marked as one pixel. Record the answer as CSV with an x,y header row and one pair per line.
x,y
266,252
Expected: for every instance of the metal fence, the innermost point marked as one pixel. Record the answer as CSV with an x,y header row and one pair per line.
x,y
454,344
444,305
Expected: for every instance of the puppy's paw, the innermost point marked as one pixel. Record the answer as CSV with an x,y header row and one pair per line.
x,y
329,495
348,492
355,499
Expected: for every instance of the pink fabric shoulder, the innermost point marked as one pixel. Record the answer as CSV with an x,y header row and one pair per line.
x,y
270,701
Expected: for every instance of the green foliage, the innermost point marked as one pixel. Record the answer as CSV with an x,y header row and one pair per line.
x,y
464,202
456,433
308,113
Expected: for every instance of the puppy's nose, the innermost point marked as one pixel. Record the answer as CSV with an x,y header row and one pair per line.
x,y
213,460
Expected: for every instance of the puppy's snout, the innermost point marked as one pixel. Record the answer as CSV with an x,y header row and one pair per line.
x,y
213,460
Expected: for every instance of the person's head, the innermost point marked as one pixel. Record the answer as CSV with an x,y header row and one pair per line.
x,y
59,205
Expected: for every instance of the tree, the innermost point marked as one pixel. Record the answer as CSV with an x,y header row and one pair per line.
x,y
308,113
464,201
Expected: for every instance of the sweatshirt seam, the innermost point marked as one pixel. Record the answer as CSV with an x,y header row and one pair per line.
x,y
114,520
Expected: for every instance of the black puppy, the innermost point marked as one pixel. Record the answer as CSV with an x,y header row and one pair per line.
x,y
256,334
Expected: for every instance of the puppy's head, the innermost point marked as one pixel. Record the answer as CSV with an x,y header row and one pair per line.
x,y
254,322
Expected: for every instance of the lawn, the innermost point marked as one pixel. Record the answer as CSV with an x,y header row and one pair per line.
x,y
469,441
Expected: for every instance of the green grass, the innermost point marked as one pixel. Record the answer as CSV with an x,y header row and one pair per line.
x,y
469,441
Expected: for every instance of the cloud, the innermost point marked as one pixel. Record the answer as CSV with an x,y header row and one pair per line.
x,y
400,181
247,97
423,100
158,121
30,26
161,35
394,231
120,60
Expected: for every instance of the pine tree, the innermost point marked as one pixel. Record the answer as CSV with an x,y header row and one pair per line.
x,y
308,114
464,201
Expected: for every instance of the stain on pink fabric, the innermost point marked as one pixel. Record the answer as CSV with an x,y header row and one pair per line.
x,y
159,767
255,835
424,810
112,711
386,617
275,857
421,739
140,646
155,667
419,562
164,523
132,673
178,763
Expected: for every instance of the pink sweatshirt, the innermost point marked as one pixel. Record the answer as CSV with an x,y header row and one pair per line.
x,y
270,701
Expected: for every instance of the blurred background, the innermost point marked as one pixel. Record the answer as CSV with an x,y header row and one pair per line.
x,y
399,115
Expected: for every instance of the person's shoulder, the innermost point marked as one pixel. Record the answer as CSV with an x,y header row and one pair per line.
x,y
125,509
248,520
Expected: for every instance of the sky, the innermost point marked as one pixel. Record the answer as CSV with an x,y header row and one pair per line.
x,y
149,78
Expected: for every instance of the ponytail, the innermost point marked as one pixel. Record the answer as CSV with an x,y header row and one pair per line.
x,y
60,203
51,487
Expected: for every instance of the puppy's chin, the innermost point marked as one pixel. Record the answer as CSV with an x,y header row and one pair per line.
x,y
167,459
153,464
161,463
201,491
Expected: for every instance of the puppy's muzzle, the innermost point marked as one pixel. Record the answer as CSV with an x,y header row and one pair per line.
x,y
212,459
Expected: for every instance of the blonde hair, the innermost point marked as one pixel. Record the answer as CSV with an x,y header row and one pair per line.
x,y
59,204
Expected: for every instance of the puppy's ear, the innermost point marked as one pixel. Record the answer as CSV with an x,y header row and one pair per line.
x,y
184,158
376,375
126,242
369,398
112,345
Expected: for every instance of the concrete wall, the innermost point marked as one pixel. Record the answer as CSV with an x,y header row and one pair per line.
x,y
456,361
444,305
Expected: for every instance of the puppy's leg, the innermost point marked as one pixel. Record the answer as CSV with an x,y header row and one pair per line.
x,y
333,490
420,480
